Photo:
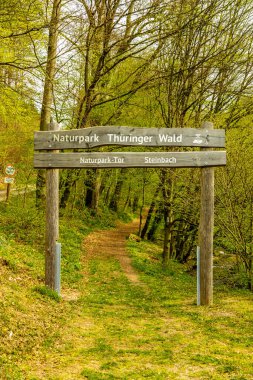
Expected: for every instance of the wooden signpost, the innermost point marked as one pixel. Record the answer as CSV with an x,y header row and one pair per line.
x,y
52,222
50,142
206,226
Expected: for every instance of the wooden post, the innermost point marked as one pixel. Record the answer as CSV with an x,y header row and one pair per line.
x,y
8,191
52,221
206,231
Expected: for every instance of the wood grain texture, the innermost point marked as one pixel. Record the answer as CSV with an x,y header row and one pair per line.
x,y
130,160
206,228
128,136
52,222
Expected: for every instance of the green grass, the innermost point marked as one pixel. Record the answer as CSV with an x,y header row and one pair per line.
x,y
45,291
115,329
155,331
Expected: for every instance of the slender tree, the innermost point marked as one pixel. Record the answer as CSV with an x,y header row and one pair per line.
x,y
46,110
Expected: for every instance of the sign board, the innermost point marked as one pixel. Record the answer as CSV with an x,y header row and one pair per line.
x,y
9,180
10,170
128,136
130,159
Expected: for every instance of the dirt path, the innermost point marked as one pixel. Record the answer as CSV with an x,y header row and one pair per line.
x,y
16,192
82,331
112,243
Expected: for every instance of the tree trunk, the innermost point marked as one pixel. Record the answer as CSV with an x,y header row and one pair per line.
x,y
135,203
127,201
157,219
114,203
167,238
96,190
46,111
66,185
89,184
250,274
168,189
150,213
92,183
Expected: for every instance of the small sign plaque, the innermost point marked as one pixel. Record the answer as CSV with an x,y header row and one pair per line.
x,y
9,180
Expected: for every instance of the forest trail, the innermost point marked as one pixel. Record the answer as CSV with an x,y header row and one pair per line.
x,y
119,327
78,333
104,244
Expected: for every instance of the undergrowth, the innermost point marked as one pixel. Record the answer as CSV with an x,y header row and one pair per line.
x,y
114,329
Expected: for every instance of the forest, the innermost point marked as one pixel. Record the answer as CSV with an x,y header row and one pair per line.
x,y
142,64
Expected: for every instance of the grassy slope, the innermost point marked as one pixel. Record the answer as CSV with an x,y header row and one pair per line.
x,y
115,330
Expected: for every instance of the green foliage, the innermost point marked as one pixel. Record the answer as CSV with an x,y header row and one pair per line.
x,y
124,217
25,224
45,291
71,236
149,263
18,120
234,206
228,273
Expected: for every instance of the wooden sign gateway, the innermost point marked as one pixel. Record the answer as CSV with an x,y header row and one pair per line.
x,y
50,142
